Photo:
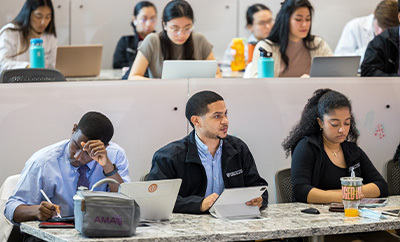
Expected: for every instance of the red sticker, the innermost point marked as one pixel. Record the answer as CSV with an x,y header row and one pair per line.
x,y
153,188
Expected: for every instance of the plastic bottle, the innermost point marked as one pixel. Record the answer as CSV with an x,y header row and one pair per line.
x,y
37,58
250,49
238,64
265,64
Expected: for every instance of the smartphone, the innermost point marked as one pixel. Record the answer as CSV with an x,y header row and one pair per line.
x,y
373,202
336,207
56,225
394,212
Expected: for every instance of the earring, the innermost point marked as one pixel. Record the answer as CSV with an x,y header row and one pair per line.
x,y
320,128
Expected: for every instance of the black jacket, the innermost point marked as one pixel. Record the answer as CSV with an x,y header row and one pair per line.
x,y
180,159
308,160
126,50
382,54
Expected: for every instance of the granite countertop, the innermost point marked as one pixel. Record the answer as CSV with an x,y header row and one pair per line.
x,y
278,221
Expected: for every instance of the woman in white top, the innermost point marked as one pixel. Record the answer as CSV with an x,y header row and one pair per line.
x,y
35,20
175,42
291,42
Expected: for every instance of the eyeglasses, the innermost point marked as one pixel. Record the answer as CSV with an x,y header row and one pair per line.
x,y
145,20
185,31
268,22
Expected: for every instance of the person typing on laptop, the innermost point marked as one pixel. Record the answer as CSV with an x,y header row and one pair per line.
x,y
208,159
177,41
59,169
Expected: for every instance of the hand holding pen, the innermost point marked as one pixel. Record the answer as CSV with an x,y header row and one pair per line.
x,y
54,207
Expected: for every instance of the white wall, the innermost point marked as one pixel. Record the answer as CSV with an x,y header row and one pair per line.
x,y
105,21
261,112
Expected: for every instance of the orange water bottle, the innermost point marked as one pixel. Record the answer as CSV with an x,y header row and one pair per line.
x,y
238,63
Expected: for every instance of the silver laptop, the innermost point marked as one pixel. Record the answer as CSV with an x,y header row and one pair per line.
x,y
79,60
335,66
156,199
174,69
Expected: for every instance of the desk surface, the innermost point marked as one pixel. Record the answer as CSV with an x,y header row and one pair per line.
x,y
105,74
279,221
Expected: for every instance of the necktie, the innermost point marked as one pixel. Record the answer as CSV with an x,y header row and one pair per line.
x,y
82,180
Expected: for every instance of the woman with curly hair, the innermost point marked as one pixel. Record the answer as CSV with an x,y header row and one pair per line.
x,y
324,148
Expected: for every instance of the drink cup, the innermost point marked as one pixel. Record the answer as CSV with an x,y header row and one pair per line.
x,y
351,195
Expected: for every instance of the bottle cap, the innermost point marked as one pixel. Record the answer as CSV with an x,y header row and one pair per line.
x,y
237,40
36,41
264,53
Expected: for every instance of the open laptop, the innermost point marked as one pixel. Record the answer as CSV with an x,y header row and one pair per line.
x,y
174,69
156,199
79,60
335,66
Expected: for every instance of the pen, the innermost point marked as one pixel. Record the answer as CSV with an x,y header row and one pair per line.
x,y
47,198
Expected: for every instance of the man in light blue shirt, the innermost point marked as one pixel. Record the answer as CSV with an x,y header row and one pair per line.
x,y
55,170
212,165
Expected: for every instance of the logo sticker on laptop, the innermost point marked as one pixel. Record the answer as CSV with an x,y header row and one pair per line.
x,y
153,188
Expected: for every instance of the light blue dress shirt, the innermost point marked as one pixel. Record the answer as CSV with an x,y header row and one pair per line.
x,y
212,165
49,169
398,71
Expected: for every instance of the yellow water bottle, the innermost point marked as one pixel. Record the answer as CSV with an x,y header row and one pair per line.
x,y
238,63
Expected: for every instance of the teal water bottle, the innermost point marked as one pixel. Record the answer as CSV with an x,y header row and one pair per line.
x,y
37,53
265,64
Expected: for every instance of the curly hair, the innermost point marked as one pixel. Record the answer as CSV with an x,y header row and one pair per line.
x,y
322,102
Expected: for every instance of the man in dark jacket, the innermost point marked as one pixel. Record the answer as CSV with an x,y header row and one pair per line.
x,y
382,54
208,159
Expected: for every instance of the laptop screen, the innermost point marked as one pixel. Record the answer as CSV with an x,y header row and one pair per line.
x,y
335,66
156,199
79,60
175,69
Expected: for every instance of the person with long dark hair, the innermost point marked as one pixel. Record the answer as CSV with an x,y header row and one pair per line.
x,y
35,20
324,148
143,22
177,41
291,43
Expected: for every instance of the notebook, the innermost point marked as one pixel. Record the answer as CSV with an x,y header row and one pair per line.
x,y
231,204
156,199
79,60
174,69
335,66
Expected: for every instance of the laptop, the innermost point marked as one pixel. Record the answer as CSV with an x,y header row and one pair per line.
x,y
156,199
79,60
174,69
335,66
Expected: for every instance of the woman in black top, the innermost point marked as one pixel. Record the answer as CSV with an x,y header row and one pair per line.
x,y
324,148
143,22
